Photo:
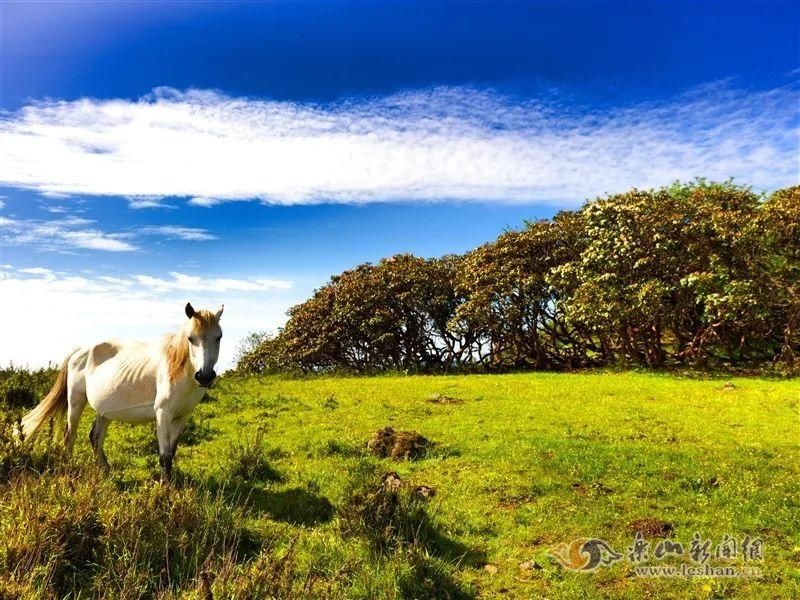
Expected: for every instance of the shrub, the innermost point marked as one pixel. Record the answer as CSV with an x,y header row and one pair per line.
x,y
23,388
19,457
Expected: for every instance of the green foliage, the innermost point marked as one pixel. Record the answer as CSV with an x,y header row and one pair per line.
x,y
22,388
781,223
15,455
393,315
699,274
675,272
511,314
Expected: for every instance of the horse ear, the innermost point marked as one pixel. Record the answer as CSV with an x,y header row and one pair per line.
x,y
219,312
189,310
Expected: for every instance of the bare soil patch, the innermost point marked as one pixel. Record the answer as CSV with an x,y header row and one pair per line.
x,y
398,445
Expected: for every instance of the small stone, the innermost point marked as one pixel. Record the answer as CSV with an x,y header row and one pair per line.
x,y
391,481
425,491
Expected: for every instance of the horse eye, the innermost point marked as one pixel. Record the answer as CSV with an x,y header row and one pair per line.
x,y
191,339
219,337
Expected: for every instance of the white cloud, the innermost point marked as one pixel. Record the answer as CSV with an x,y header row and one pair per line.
x,y
116,280
46,313
37,271
73,233
181,281
148,202
95,240
448,143
62,235
191,234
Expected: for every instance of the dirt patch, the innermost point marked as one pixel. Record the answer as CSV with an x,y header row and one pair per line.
x,y
399,445
583,489
651,527
442,399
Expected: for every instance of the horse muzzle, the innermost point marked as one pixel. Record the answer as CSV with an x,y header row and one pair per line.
x,y
205,378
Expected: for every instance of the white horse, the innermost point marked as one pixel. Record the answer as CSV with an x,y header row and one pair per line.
x,y
136,383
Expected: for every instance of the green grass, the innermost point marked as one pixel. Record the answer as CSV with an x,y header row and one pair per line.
x,y
519,464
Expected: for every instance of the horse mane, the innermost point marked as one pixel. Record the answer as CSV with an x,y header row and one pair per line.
x,y
177,353
176,348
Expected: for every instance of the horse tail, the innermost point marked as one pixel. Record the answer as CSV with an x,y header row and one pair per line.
x,y
55,403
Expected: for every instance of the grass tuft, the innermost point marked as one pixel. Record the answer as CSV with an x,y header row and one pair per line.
x,y
247,460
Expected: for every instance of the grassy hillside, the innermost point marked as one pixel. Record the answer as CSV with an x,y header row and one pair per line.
x,y
277,493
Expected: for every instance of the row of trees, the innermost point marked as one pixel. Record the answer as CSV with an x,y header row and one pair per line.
x,y
693,273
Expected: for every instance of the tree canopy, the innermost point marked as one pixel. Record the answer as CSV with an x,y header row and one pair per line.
x,y
699,273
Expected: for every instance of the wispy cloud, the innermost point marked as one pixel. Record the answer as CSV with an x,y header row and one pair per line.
x,y
151,286
448,143
75,233
181,281
37,271
127,307
57,210
190,234
148,202
64,235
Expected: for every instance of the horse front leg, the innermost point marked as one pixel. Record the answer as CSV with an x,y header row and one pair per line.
x,y
164,420
178,425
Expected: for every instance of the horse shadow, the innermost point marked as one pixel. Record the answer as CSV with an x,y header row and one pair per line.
x,y
446,548
427,579
296,505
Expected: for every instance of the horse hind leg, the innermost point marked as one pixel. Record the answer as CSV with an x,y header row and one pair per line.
x,y
97,435
76,402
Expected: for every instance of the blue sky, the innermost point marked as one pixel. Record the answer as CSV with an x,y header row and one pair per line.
x,y
242,153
